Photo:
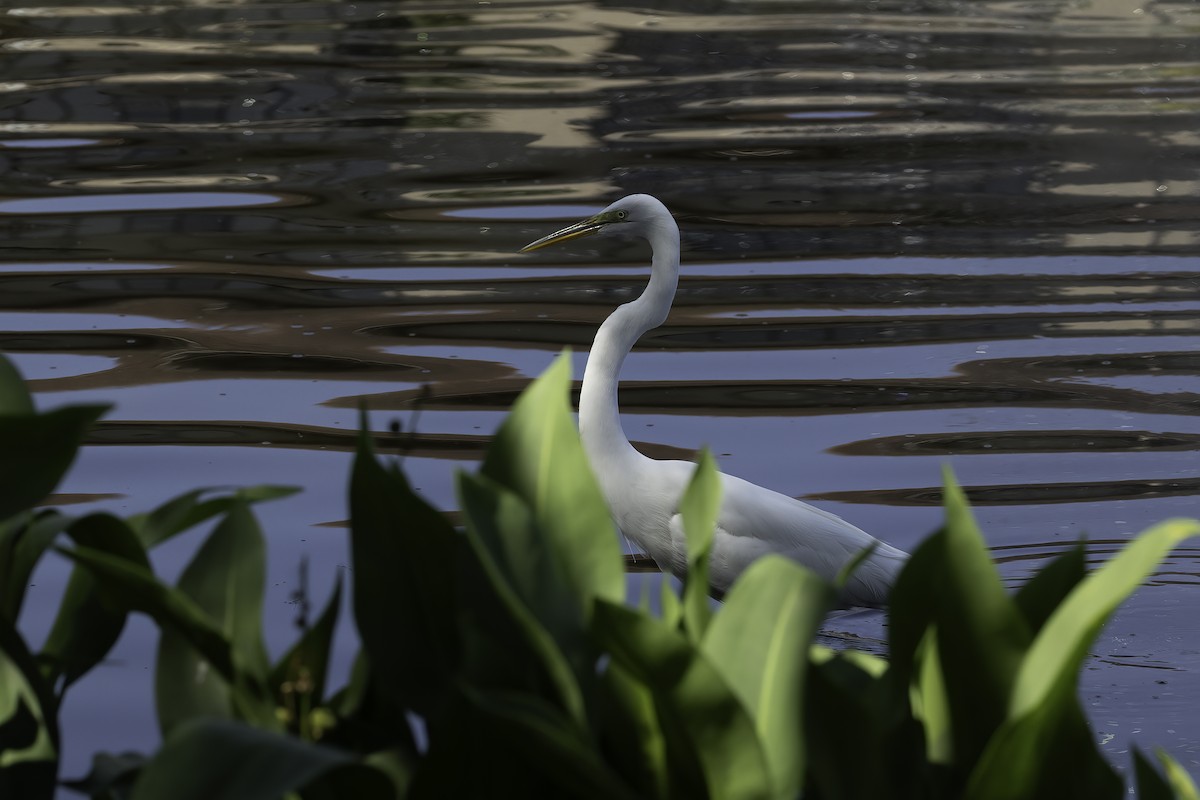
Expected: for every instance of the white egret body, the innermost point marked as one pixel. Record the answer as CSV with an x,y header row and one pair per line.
x,y
644,493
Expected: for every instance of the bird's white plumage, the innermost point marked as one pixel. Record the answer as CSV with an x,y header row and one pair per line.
x,y
644,493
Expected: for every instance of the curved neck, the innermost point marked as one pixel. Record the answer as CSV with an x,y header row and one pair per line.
x,y
599,415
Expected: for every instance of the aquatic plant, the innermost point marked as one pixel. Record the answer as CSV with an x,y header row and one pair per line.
x,y
502,659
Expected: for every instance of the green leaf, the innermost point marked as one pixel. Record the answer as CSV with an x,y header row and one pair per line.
x,y
930,704
1150,784
1181,783
630,734
86,628
298,678
28,730
405,589
951,583
537,454
850,721
214,759
189,510
759,645
137,589
493,516
712,745
1045,726
23,540
225,581
41,449
1057,653
14,397
699,507
1046,590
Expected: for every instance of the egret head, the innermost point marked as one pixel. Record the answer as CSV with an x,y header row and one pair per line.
x,y
634,215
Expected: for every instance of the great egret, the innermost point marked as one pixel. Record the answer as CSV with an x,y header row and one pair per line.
x,y
643,493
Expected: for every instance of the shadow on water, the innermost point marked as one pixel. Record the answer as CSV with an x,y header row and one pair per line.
x,y
915,234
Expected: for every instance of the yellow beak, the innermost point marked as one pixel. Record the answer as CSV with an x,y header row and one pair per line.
x,y
580,229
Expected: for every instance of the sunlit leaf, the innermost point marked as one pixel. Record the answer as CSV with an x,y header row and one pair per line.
x,y
1151,785
1045,591
711,740
537,454
490,510
951,582
759,644
1057,654
1181,783
699,507
28,729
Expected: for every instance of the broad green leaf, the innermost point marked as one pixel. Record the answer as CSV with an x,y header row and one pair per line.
x,y
225,581
950,582
1057,653
215,759
405,596
298,678
42,448
699,507
548,743
930,705
23,540
670,608
537,454
14,397
732,755
188,510
489,509
86,628
1026,755
759,644
137,589
1045,727
711,741
1046,590
28,730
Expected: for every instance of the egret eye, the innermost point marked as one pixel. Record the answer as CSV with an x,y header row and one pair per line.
x,y
622,215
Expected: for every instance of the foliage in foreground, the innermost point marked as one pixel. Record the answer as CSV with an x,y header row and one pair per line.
x,y
501,661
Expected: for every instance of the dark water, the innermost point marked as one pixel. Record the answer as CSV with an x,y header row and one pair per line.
x,y
915,233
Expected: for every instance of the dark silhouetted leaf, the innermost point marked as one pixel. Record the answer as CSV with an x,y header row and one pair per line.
x,y
213,759
405,561
86,628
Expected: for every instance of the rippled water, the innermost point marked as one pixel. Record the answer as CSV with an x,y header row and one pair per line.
x,y
915,233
